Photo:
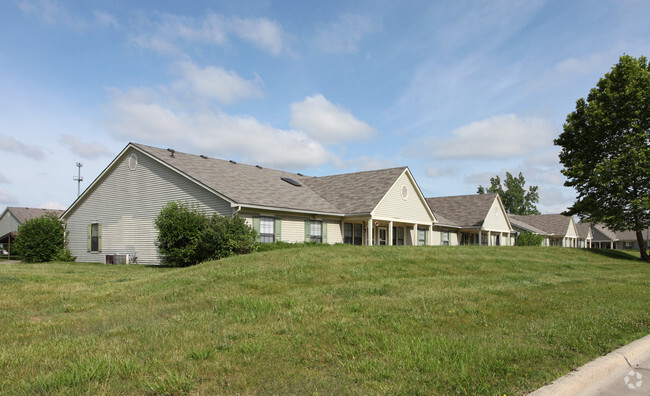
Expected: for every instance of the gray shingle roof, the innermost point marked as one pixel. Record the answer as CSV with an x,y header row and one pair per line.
x,y
256,186
354,193
583,230
526,226
462,210
553,224
24,214
601,232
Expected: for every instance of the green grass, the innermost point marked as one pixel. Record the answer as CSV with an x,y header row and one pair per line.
x,y
340,319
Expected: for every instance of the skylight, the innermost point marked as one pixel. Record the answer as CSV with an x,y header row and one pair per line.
x,y
291,181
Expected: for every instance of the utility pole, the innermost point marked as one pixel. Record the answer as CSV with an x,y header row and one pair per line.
x,y
78,178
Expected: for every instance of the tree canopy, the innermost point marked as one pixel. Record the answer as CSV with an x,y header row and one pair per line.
x,y
514,196
606,150
42,239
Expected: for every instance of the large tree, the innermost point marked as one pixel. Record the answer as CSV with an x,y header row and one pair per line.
x,y
606,150
514,196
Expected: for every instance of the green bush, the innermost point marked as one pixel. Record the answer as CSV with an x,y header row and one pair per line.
x,y
187,236
40,239
529,239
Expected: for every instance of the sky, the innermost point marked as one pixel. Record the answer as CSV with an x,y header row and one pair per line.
x,y
458,91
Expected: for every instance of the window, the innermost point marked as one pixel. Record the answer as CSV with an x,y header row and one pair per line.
x,y
267,229
358,234
348,233
94,237
316,234
422,236
352,234
444,235
398,235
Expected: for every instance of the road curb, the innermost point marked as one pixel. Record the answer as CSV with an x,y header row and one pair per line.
x,y
591,378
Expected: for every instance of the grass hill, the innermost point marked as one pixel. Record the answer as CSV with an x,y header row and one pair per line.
x,y
330,319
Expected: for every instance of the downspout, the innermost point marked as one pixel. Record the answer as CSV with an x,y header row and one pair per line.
x,y
236,211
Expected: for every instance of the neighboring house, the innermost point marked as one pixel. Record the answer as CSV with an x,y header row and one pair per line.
x,y
557,229
478,219
14,217
607,239
114,219
585,236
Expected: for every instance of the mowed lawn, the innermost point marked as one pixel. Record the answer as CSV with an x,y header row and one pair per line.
x,y
320,320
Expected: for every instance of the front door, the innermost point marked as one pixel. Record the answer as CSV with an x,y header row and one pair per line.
x,y
383,235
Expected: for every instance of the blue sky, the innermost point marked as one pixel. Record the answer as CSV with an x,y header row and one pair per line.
x,y
459,91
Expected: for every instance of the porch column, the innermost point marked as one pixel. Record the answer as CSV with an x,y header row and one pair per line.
x,y
479,237
489,238
415,238
369,236
430,236
390,233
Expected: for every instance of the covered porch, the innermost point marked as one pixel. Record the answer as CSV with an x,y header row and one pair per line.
x,y
477,236
375,231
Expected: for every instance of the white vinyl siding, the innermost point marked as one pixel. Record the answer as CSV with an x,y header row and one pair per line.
x,y
8,223
126,203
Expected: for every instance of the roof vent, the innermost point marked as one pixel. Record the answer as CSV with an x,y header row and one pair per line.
x,y
171,151
259,167
232,162
291,181
203,156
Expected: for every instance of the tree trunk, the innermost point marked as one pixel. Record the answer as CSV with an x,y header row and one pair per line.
x,y
642,246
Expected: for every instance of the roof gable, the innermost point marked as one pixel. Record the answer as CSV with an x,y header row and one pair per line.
x,y
553,224
355,193
462,210
259,187
24,214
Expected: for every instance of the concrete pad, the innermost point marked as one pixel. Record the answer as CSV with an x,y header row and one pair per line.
x,y
625,371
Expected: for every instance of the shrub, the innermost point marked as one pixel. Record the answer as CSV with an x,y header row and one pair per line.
x,y
40,239
186,236
529,239
179,227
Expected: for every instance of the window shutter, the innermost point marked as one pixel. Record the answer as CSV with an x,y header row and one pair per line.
x,y
99,237
89,231
307,230
278,229
256,224
324,230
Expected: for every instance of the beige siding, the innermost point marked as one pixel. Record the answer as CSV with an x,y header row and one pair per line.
x,y
394,207
496,219
293,230
293,225
334,232
126,202
571,230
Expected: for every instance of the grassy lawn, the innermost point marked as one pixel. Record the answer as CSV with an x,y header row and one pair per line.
x,y
341,319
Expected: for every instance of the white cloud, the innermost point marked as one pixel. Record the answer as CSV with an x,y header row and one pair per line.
x,y
262,32
212,29
344,35
6,198
52,205
11,145
105,19
84,149
214,83
143,115
496,137
326,122
52,12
